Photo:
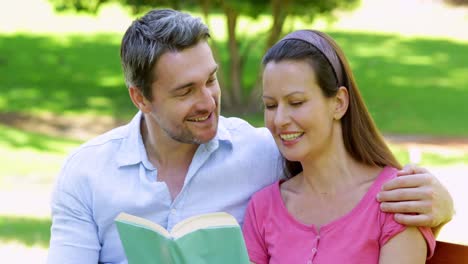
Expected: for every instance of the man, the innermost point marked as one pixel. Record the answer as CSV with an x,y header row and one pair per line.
x,y
178,157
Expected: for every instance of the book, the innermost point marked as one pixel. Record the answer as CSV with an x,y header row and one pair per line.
x,y
207,238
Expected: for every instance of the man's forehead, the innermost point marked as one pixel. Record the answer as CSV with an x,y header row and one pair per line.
x,y
193,64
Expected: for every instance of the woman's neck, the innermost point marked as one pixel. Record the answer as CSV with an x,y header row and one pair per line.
x,y
334,170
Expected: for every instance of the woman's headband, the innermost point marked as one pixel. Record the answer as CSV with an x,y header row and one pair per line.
x,y
323,46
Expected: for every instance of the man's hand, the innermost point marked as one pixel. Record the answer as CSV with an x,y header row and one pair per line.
x,y
417,198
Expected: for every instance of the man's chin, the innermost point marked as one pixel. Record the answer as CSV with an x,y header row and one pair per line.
x,y
206,134
206,137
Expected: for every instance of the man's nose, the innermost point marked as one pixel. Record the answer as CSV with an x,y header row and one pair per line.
x,y
206,100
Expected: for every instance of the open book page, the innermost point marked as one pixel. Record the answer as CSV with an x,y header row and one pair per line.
x,y
142,222
208,238
211,220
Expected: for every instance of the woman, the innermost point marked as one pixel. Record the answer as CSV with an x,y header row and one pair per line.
x,y
336,162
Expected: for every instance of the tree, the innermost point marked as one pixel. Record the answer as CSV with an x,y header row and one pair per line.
x,y
236,96
457,3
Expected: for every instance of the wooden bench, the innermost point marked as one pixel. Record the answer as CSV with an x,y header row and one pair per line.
x,y
449,253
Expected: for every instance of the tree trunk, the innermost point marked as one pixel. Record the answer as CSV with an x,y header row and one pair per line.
x,y
226,94
175,4
234,57
279,13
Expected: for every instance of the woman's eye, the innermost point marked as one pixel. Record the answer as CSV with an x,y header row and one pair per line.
x,y
269,106
298,103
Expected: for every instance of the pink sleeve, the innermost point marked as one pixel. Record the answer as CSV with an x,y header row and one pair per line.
x,y
430,240
391,228
253,234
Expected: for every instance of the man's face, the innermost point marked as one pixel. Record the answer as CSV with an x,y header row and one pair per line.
x,y
186,95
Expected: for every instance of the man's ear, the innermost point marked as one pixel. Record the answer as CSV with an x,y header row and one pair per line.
x,y
341,103
139,100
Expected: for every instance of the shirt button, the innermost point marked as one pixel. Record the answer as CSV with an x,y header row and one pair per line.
x,y
314,250
173,211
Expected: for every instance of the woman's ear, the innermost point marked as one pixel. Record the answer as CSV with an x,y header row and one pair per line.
x,y
341,103
139,100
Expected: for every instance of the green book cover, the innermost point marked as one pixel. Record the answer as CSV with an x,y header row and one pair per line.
x,y
208,238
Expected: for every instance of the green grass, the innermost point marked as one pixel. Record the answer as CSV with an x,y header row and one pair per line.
x,y
430,157
27,231
411,86
31,157
63,74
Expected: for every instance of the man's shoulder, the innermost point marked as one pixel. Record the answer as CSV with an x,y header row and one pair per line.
x,y
239,128
107,141
91,158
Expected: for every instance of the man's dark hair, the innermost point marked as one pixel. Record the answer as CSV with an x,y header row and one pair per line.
x,y
147,38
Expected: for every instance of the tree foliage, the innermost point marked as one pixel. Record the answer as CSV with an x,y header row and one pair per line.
x,y
235,95
457,3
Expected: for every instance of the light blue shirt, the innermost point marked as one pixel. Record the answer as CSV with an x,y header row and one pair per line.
x,y
112,174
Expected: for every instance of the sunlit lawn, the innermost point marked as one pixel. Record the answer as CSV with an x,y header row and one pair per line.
x,y
415,86
28,231
411,86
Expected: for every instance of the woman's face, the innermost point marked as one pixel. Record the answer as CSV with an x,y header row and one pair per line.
x,y
298,115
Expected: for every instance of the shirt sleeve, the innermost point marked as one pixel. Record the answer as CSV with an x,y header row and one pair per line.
x,y
253,234
74,237
430,240
391,228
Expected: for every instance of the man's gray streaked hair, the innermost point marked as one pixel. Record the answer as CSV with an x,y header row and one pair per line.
x,y
147,38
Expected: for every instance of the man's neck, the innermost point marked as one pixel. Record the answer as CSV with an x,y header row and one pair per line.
x,y
163,151
171,158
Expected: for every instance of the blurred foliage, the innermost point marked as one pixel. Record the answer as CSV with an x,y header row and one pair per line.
x,y
251,8
236,95
411,85
457,2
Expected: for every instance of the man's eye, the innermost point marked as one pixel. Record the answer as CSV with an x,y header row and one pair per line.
x,y
183,92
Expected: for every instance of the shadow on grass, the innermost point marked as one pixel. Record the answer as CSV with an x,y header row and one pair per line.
x,y
18,139
411,85
27,231
60,74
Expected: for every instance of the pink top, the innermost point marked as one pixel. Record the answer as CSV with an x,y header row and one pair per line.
x,y
272,235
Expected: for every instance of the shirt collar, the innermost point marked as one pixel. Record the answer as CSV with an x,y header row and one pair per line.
x,y
130,151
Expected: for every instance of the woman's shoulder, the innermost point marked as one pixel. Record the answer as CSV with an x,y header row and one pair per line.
x,y
386,174
266,195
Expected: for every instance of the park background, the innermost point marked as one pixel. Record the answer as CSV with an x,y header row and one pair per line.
x,y
61,84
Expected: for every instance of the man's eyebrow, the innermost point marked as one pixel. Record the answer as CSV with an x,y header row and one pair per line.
x,y
185,85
